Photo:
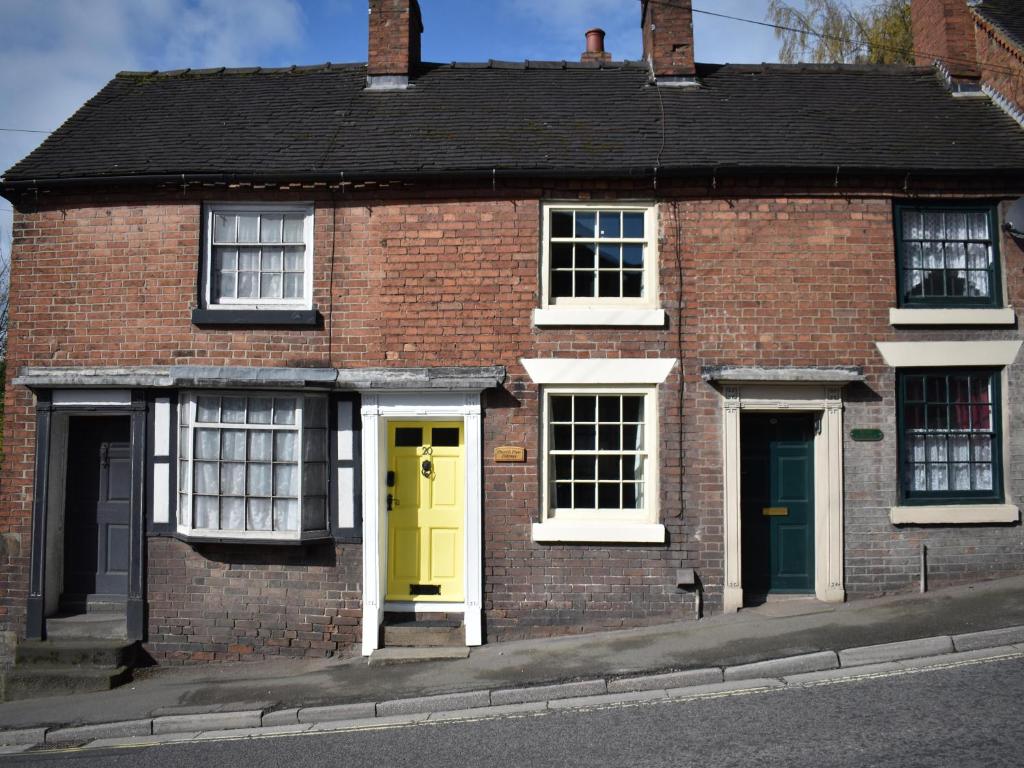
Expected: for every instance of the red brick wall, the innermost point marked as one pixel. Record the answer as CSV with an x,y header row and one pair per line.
x,y
1002,64
394,43
667,29
424,276
944,29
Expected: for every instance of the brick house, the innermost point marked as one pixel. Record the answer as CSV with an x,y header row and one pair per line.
x,y
548,347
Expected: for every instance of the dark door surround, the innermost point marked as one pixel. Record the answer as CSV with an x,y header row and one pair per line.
x,y
97,511
137,411
777,501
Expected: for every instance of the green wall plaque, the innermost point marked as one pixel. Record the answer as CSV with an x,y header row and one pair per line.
x,y
866,435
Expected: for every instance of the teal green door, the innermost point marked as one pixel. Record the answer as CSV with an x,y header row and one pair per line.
x,y
777,500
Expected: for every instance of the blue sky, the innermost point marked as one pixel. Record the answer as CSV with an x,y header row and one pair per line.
x,y
55,54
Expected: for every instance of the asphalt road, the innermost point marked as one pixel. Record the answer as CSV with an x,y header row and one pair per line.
x,y
965,714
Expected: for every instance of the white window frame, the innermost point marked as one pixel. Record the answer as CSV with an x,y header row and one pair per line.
x,y
189,404
598,525
551,307
211,209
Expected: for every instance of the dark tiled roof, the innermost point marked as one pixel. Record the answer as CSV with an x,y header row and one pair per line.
x,y
1005,15
525,117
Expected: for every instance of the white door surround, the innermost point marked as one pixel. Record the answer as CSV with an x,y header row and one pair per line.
x,y
825,400
378,408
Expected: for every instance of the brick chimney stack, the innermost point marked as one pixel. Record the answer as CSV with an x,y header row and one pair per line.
x,y
394,50
944,30
595,47
668,40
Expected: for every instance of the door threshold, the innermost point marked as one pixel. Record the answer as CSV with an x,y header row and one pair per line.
x,y
410,606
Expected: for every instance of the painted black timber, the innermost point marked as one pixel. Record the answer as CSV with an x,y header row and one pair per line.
x,y
136,608
308,318
34,618
353,534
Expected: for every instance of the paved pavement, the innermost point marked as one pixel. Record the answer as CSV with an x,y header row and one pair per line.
x,y
786,629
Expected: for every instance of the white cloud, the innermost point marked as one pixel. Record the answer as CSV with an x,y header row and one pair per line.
x,y
55,55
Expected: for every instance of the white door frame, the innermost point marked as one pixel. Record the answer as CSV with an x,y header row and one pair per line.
x,y
378,408
828,480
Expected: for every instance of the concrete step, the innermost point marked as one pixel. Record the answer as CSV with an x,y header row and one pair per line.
x,y
93,626
388,656
76,653
93,604
35,681
422,635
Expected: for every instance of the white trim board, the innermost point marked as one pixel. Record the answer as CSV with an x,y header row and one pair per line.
x,y
996,316
581,532
939,354
599,316
626,370
954,514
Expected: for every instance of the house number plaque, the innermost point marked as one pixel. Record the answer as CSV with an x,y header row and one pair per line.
x,y
509,454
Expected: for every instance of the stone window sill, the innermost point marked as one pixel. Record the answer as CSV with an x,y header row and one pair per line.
x,y
634,318
613,533
924,316
954,514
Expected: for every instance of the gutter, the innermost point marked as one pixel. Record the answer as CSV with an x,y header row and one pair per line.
x,y
630,172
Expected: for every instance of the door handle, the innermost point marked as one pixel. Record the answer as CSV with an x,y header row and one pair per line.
x,y
391,500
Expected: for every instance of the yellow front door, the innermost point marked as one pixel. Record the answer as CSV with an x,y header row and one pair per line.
x,y
426,498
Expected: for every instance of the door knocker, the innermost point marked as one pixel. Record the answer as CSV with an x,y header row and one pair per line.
x,y
427,467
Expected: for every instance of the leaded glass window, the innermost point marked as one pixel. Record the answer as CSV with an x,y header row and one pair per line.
x,y
950,435
252,465
597,452
598,255
948,256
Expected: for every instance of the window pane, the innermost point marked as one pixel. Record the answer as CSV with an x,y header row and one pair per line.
x,y
585,223
608,496
561,408
286,515
248,228
608,408
207,444
609,438
632,408
224,228
633,224
563,467
912,225
271,286
260,480
270,228
232,445
207,514
633,284
978,226
233,410
249,259
285,445
261,445
562,438
561,223
610,223
561,255
563,495
632,255
260,515
585,256
409,437
247,285
609,284
207,409
205,477
225,258
260,409
583,284
608,468
956,226
444,437
294,259
584,496
584,408
583,438
293,284
293,228
561,284
584,467
609,256
286,480
227,285
232,514
232,478
284,410
632,437
272,260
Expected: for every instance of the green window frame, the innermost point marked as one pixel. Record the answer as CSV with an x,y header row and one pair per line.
x,y
947,255
950,436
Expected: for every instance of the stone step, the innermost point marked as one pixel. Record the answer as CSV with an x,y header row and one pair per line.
x,y
76,653
93,604
388,656
36,681
97,626
423,635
